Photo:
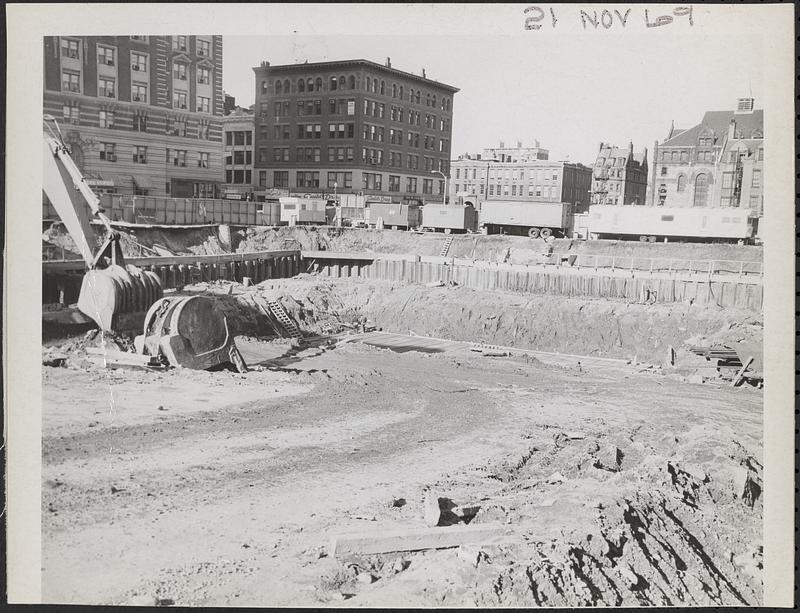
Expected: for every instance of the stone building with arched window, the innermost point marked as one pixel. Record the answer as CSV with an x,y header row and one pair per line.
x,y
717,163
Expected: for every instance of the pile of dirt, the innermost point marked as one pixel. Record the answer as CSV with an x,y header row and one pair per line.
x,y
600,328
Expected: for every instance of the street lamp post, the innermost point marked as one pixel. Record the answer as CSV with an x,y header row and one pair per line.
x,y
444,176
486,183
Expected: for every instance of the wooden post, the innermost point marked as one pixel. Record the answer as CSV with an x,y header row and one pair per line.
x,y
741,372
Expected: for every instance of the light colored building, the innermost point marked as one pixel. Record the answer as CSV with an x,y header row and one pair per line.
x,y
717,163
141,114
620,176
516,154
238,130
478,178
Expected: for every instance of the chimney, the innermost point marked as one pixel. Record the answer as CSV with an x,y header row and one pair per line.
x,y
519,144
264,64
502,144
630,148
536,144
388,62
731,129
423,73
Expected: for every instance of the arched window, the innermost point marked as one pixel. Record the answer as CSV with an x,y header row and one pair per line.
x,y
342,82
369,84
278,87
448,104
351,82
374,86
263,87
286,86
700,190
333,84
310,85
681,183
434,100
318,84
427,99
301,85
383,88
400,93
417,97
394,90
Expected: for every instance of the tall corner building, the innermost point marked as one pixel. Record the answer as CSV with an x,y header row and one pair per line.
x,y
352,127
141,114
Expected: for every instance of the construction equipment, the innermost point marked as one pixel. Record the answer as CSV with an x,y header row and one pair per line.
x,y
189,331
110,289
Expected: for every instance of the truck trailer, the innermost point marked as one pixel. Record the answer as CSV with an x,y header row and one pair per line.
x,y
525,217
449,218
652,223
395,216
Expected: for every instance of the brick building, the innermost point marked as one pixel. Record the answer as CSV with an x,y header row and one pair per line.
x,y
477,178
516,154
620,176
717,163
141,114
238,128
352,126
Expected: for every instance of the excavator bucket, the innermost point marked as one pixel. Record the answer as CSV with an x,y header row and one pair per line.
x,y
190,332
109,294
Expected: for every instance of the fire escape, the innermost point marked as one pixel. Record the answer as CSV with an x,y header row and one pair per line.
x,y
737,181
601,174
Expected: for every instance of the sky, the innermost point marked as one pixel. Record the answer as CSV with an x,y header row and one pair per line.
x,y
569,94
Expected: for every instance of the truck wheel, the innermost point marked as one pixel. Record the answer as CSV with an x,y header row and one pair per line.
x,y
651,239
546,233
643,239
533,232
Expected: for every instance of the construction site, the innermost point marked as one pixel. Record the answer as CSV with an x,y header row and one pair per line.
x,y
319,416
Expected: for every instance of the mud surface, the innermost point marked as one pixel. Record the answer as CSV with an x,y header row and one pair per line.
x,y
617,486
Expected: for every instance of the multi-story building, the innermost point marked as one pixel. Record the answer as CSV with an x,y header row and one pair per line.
x,y
620,176
141,114
238,128
477,178
717,163
516,154
353,126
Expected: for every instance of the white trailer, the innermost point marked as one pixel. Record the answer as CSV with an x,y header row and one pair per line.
x,y
303,210
526,217
652,223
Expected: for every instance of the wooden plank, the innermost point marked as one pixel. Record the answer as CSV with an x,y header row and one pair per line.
x,y
741,372
415,539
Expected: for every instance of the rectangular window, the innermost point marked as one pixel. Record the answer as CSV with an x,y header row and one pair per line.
x,y
140,122
139,92
727,179
203,75
179,100
139,155
106,119
228,176
105,55
202,160
108,152
280,178
756,178
106,88
71,81
307,179
71,114
138,62
179,71
761,154
339,180
427,186
203,104
394,183
238,176
179,43
203,48
411,185
371,180
70,48
179,158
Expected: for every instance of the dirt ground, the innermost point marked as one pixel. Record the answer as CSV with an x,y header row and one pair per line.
x,y
617,485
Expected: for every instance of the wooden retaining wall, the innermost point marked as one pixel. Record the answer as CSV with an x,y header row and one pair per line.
x,y
61,279
729,291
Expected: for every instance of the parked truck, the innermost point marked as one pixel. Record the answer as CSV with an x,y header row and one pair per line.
x,y
449,218
296,210
652,223
395,216
532,218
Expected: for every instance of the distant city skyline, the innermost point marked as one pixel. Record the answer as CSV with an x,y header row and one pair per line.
x,y
517,88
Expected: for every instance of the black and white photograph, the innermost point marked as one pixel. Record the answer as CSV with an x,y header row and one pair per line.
x,y
409,306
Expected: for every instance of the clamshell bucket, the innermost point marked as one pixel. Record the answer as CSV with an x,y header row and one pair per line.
x,y
189,331
109,294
